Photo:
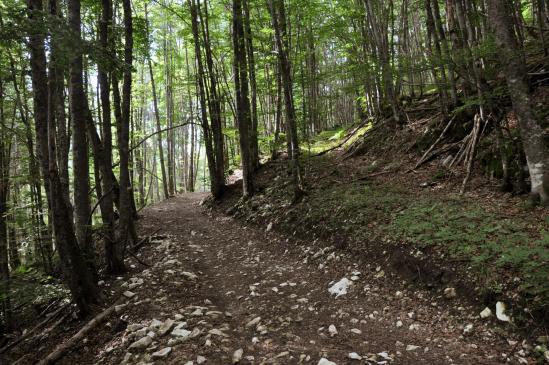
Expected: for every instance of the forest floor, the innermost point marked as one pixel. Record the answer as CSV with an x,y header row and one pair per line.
x,y
215,288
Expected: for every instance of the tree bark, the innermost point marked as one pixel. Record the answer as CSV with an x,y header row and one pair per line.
x,y
217,185
103,149
242,101
514,68
278,18
254,144
214,103
126,223
76,272
157,119
5,148
78,109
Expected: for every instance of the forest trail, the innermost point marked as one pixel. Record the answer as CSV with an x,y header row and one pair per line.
x,y
267,294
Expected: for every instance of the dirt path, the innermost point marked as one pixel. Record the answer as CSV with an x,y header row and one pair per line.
x,y
267,295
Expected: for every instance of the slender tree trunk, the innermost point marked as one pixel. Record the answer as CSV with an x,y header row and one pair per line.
x,y
113,249
242,101
5,148
216,184
157,118
278,17
253,135
191,174
78,106
127,232
278,113
214,103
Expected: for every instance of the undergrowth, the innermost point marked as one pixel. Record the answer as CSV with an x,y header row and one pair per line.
x,y
489,240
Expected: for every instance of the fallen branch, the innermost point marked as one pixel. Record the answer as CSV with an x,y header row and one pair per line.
x,y
138,259
459,155
471,157
63,348
355,148
31,331
343,142
366,177
423,158
143,240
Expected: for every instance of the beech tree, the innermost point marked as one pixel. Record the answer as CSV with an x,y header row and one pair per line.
x,y
533,140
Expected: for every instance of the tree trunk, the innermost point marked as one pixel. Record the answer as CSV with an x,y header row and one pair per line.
x,y
254,145
80,160
214,103
278,17
191,172
157,119
216,184
5,148
76,272
113,250
514,67
126,224
242,101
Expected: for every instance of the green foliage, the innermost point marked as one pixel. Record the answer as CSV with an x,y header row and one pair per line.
x,y
230,132
22,269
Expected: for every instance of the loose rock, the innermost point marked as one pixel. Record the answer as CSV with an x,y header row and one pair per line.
x,y
161,354
237,356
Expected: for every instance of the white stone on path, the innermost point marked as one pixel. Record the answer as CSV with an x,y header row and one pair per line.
x,y
217,332
161,354
128,294
134,327
165,327
340,288
487,312
500,312
412,348
189,275
179,331
200,359
450,293
253,322
333,330
468,328
354,356
155,323
141,344
324,361
237,356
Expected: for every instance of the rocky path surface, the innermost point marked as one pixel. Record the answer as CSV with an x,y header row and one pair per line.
x,y
220,292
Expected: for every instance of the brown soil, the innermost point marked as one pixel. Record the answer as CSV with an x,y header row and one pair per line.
x,y
246,272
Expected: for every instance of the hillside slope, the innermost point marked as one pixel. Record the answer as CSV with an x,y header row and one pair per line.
x,y
490,245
